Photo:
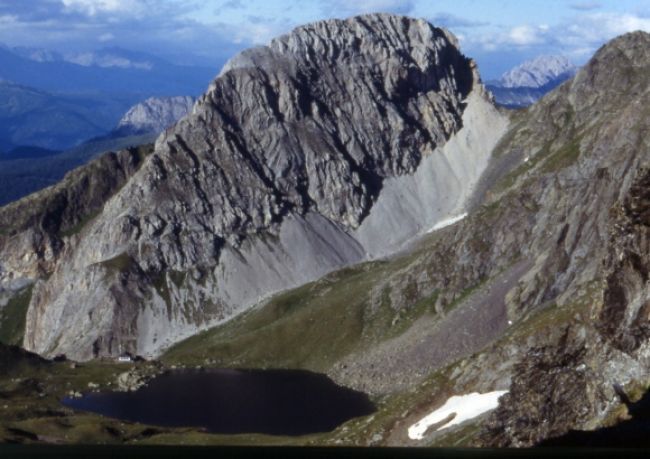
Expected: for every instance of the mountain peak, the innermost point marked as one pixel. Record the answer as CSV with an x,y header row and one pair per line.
x,y
154,115
334,39
336,143
635,46
538,72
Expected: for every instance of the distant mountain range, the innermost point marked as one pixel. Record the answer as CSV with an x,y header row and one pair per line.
x,y
105,57
528,82
26,153
37,118
51,101
20,175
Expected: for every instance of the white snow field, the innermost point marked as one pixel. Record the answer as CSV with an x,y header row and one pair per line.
x,y
463,406
447,221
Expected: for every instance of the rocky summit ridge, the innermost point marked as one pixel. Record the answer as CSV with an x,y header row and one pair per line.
x,y
539,72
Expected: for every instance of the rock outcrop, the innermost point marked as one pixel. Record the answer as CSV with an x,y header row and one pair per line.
x,y
35,231
153,115
339,142
594,248
565,199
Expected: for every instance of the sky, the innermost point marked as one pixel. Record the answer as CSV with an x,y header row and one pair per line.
x,y
497,33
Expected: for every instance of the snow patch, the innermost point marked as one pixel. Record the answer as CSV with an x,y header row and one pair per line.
x,y
464,407
447,222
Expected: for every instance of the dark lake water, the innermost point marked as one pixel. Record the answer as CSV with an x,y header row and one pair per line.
x,y
276,402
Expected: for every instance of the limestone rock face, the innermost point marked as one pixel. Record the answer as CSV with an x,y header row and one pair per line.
x,y
530,81
590,240
539,72
154,115
338,142
36,230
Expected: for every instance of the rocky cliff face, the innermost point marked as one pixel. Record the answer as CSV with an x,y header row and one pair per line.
x,y
530,81
35,231
336,143
596,256
154,115
539,72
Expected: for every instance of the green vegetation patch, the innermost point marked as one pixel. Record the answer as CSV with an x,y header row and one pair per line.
x,y
464,294
510,179
120,263
310,327
406,316
563,157
551,317
75,229
13,316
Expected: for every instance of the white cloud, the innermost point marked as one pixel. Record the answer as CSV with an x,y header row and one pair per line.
x,y
592,30
453,21
93,7
8,19
106,37
348,7
616,24
258,34
518,37
578,37
525,35
586,6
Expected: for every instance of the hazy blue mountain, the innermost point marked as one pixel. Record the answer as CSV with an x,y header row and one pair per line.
x,y
24,170
56,101
52,101
37,118
22,176
110,70
27,152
